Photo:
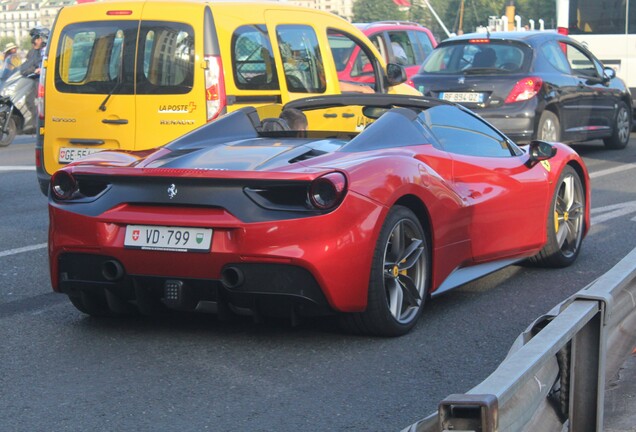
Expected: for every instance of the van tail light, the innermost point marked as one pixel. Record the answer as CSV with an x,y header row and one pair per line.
x,y
563,31
39,102
38,158
525,89
214,87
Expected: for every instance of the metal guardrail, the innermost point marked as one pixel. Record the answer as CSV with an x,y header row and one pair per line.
x,y
554,375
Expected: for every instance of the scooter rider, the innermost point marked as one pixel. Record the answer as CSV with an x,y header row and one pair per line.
x,y
31,66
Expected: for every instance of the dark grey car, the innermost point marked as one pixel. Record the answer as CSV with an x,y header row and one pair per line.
x,y
531,85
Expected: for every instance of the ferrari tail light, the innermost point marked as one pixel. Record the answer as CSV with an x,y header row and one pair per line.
x,y
63,185
214,87
525,89
327,192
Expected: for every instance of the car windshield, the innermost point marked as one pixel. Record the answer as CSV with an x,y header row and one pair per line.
x,y
477,57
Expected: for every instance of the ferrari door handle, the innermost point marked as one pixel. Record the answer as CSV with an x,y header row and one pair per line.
x,y
348,115
330,115
117,122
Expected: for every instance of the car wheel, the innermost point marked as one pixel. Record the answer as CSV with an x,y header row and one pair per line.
x,y
549,128
12,130
399,278
93,304
622,128
565,224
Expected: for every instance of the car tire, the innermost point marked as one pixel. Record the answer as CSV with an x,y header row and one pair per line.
x,y
12,130
565,222
549,127
93,304
399,278
621,130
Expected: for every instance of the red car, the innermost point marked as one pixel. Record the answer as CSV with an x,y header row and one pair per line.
x,y
243,215
401,42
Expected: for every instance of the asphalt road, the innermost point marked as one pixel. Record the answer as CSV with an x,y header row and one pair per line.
x,y
63,371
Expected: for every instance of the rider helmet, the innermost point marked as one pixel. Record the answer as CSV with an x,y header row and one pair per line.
x,y
39,32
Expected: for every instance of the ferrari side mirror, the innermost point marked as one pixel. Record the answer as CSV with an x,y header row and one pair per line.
x,y
540,151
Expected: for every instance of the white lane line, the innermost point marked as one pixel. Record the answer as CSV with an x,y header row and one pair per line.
x,y
18,168
612,170
43,245
22,249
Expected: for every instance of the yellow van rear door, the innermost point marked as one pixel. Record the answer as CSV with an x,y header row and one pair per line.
x,y
171,92
89,99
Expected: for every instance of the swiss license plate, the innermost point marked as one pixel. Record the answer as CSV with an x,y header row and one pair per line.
x,y
177,239
71,154
462,97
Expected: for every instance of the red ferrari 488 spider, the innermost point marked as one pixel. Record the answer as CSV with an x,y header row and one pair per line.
x,y
242,217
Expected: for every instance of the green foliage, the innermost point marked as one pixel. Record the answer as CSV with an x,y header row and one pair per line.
x,y
376,10
4,41
476,13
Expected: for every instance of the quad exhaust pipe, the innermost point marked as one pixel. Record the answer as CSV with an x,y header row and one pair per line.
x,y
232,277
112,270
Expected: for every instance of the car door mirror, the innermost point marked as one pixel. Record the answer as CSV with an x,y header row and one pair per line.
x,y
395,74
609,73
540,151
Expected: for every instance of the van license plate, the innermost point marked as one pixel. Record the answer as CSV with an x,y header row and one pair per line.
x,y
176,239
460,97
71,154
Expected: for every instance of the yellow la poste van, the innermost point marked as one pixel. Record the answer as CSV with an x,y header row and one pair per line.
x,y
136,74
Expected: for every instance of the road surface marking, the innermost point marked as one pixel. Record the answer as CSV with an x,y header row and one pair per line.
x,y
18,168
612,170
22,249
603,214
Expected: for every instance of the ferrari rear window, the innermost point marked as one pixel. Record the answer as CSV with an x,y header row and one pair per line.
x,y
467,57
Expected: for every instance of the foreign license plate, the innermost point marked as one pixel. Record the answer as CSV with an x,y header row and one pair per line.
x,y
462,97
71,154
176,239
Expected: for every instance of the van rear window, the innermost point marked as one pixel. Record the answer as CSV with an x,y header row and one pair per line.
x,y
99,58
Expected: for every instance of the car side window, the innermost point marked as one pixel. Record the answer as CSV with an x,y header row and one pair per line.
x,y
352,60
459,132
253,60
301,57
555,56
425,44
403,53
580,62
380,44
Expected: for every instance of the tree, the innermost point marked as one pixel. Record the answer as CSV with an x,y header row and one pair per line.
x,y
376,10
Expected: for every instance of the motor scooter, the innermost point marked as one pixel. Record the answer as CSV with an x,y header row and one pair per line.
x,y
15,117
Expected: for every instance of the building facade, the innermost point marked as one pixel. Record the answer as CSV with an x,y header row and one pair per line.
x,y
18,17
